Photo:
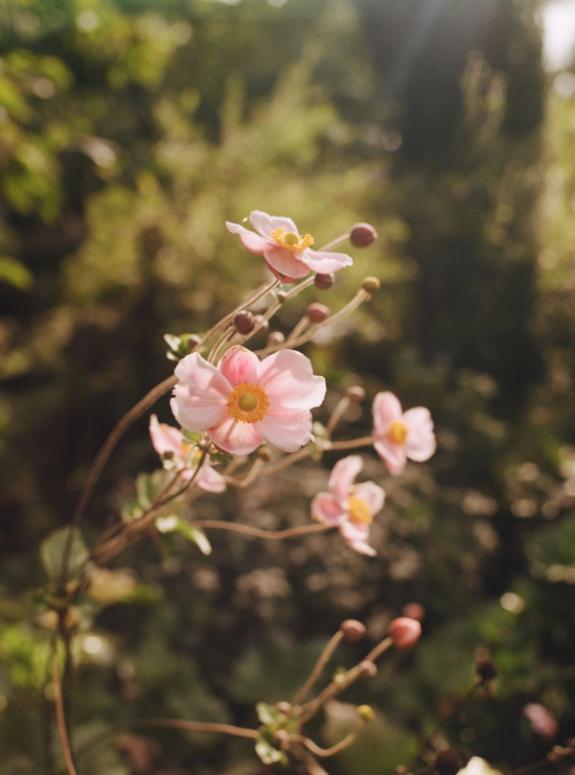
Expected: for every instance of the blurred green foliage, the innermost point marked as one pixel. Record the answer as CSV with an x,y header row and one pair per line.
x,y
129,132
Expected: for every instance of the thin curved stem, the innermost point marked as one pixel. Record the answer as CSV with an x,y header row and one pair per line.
x,y
326,753
341,408
364,441
255,532
256,296
61,722
320,665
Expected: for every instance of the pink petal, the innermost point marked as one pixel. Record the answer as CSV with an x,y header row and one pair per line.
x,y
327,509
393,455
200,397
420,442
237,438
210,480
165,438
386,409
239,365
356,537
285,263
372,494
253,242
343,475
287,431
288,379
264,224
324,262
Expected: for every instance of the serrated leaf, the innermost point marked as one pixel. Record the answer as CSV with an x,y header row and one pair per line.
x,y
52,551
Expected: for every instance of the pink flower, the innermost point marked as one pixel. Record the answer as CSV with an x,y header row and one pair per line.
x,y
165,438
348,506
244,402
401,435
287,253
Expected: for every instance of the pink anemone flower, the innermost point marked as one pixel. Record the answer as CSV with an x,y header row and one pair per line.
x,y
287,253
401,435
348,506
166,439
244,401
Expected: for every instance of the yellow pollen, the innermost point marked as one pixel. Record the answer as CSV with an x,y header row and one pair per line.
x,y
292,241
248,403
359,511
397,432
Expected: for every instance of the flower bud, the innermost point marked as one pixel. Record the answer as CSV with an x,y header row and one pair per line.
x,y
414,611
281,296
316,312
404,632
261,322
352,630
284,707
276,337
450,761
368,669
244,322
264,453
324,282
365,712
485,668
370,284
362,234
355,393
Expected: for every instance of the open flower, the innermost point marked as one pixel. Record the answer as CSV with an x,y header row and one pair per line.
x,y
287,252
401,435
348,506
244,402
166,439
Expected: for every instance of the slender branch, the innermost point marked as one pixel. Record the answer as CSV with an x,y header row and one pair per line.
x,y
252,474
203,727
256,296
323,659
325,753
255,532
61,722
332,243
287,461
340,409
364,441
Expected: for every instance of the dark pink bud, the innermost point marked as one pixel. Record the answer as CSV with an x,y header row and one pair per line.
x,y
244,322
324,282
362,234
414,611
352,630
317,313
405,632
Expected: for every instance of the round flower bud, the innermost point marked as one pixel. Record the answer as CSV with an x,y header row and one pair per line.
x,y
362,234
368,669
450,761
317,313
355,393
365,712
352,630
244,322
404,632
414,611
264,453
276,337
261,322
370,284
324,282
281,296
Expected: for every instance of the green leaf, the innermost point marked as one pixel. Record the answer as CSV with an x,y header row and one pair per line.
x,y
267,752
267,714
53,548
14,273
174,524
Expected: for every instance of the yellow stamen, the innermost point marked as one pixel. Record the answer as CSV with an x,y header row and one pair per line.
x,y
359,511
248,403
292,241
397,432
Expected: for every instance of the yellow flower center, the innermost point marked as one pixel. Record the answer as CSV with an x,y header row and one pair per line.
x,y
248,403
397,432
359,511
292,241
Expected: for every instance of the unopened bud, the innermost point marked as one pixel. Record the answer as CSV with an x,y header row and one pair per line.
x,y
244,322
355,393
404,632
368,669
352,630
362,234
261,322
192,341
264,453
450,761
316,312
284,707
281,296
370,284
168,454
276,337
324,282
365,712
414,611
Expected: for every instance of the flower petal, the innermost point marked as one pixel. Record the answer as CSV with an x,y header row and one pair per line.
x,y
237,438
285,263
372,494
386,409
392,454
327,509
324,261
288,379
210,480
343,475
199,398
239,365
420,442
287,431
356,537
165,438
253,242
264,224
